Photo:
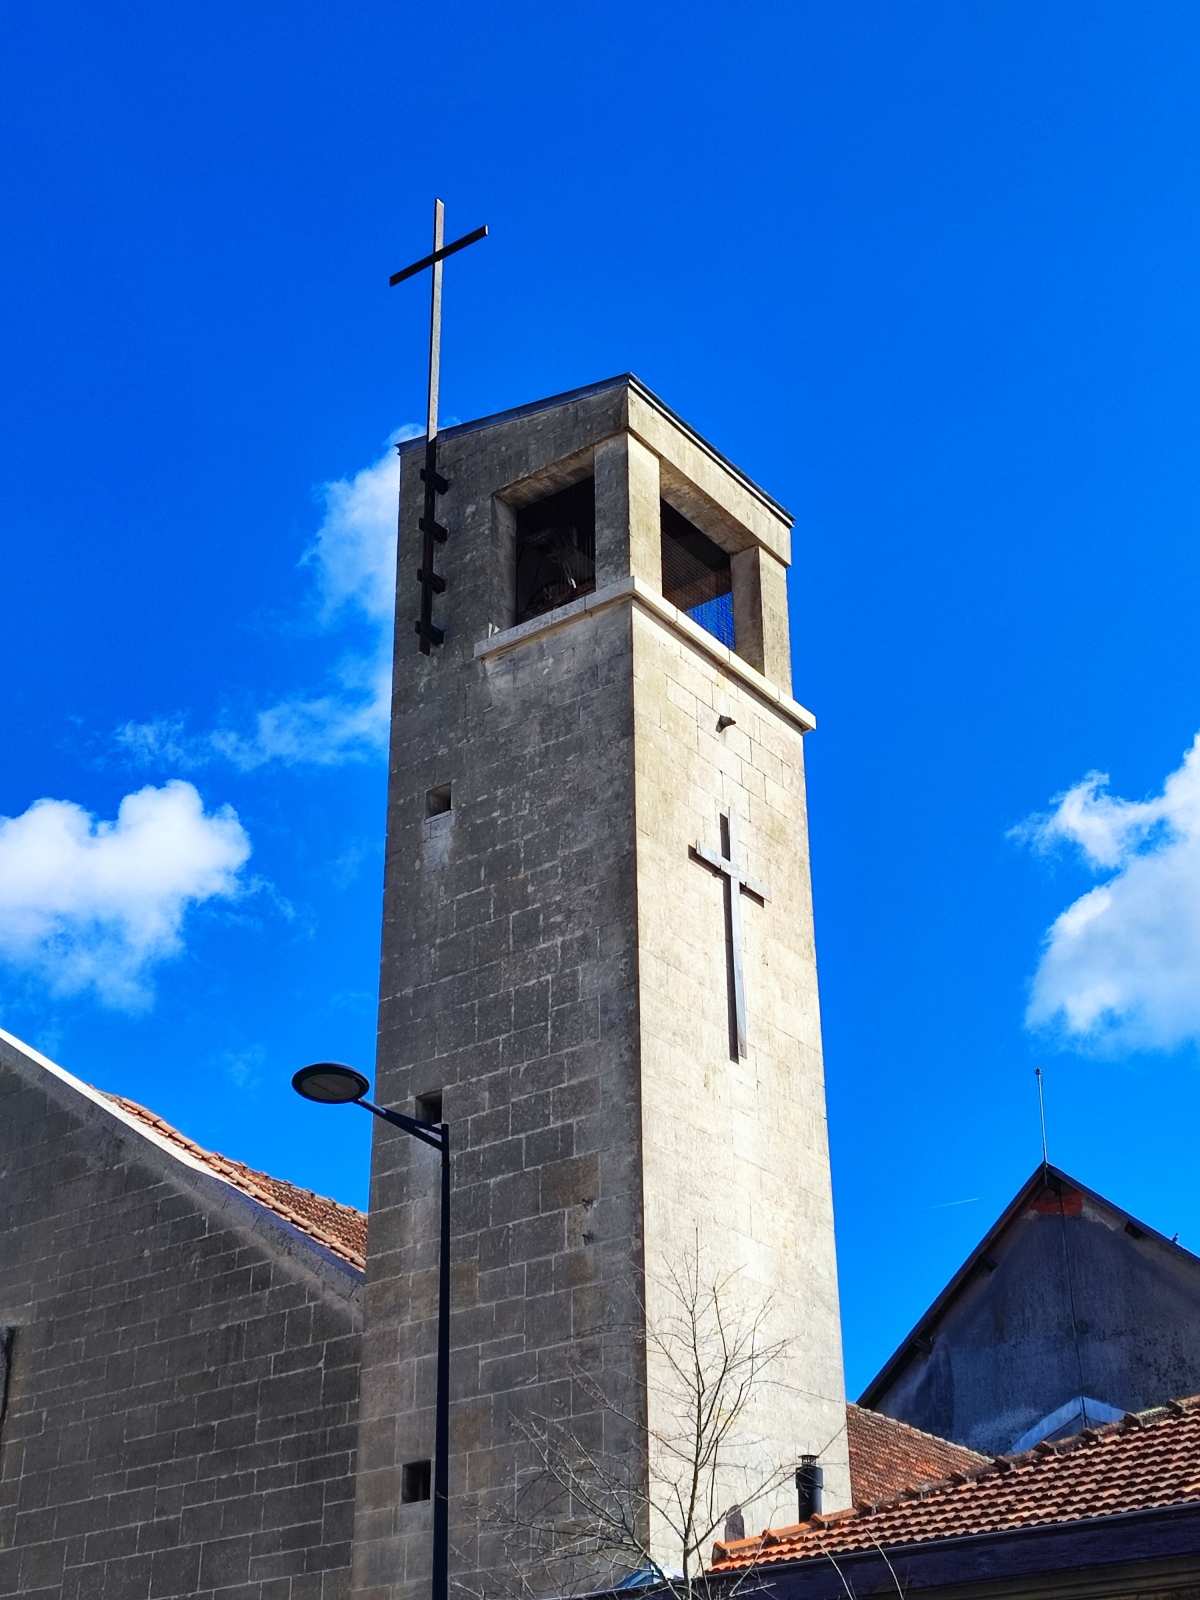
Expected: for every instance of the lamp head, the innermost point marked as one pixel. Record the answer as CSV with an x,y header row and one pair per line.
x,y
330,1083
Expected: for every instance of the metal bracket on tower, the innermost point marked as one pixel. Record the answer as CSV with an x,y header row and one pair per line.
x,y
430,633
431,532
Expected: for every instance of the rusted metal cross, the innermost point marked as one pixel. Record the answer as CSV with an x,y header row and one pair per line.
x,y
435,484
737,883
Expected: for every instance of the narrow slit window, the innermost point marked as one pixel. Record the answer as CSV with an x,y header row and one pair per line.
x,y
696,575
556,550
416,1481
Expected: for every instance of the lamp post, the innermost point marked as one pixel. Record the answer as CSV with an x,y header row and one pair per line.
x,y
331,1083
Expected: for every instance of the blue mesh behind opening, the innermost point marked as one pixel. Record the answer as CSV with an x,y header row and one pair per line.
x,y
696,575
716,617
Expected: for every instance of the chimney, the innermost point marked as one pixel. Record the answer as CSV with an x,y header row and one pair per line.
x,y
809,1482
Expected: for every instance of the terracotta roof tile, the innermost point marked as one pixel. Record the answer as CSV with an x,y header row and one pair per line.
x,y
887,1457
342,1229
1142,1463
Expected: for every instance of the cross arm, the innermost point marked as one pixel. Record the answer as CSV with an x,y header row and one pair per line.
x,y
711,858
438,255
714,859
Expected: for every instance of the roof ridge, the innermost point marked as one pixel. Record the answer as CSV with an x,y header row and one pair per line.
x,y
253,1182
1153,1417
1086,1439
921,1433
1045,1177
628,380
1096,1433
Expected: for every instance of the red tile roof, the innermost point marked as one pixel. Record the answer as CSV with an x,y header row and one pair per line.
x,y
1145,1462
342,1229
887,1457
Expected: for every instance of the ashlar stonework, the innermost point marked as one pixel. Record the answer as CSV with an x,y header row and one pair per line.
x,y
182,1398
555,967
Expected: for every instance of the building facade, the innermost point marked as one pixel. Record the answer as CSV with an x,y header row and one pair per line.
x,y
1068,1314
615,1028
180,1362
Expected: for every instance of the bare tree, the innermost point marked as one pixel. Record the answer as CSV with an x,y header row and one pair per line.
x,y
624,1490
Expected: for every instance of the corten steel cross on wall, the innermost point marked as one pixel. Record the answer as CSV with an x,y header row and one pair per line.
x,y
431,528
735,882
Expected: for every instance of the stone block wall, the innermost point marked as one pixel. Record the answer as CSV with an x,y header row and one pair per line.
x,y
182,1401
735,1150
521,945
509,987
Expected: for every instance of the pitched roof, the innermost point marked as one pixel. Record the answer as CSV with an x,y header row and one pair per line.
x,y
1048,1187
1147,1461
887,1457
340,1228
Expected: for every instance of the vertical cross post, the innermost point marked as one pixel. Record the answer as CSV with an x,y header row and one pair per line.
x,y
435,325
736,881
431,529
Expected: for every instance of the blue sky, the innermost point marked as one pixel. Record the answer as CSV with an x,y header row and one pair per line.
x,y
926,271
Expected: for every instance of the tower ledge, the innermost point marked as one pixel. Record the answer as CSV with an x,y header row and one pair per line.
x,y
633,589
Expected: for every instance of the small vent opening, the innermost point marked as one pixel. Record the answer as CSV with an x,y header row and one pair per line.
x,y
696,575
437,801
556,550
429,1107
416,1481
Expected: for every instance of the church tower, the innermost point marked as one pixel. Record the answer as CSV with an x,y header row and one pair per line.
x,y
598,967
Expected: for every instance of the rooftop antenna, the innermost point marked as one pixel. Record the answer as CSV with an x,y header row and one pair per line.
x,y
1042,1109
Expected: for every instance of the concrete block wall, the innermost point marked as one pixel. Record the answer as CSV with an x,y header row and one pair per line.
x,y
182,1404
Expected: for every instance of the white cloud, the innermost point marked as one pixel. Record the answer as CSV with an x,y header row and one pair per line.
x,y
95,905
354,552
353,560
242,1067
344,725
1121,966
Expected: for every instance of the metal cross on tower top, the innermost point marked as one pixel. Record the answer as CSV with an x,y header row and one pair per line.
x,y
736,881
435,484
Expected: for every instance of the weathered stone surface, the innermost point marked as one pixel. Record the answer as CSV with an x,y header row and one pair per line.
x,y
554,965
735,1150
182,1408
1066,1302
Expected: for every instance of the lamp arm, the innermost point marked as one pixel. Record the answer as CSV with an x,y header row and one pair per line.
x,y
419,1130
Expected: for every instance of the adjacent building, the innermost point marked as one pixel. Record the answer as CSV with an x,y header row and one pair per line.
x,y
1069,1313
181,1343
1109,1514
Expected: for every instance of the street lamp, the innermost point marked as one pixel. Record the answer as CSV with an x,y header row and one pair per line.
x,y
331,1083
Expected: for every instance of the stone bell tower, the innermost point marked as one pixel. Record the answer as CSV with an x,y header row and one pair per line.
x,y
598,965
